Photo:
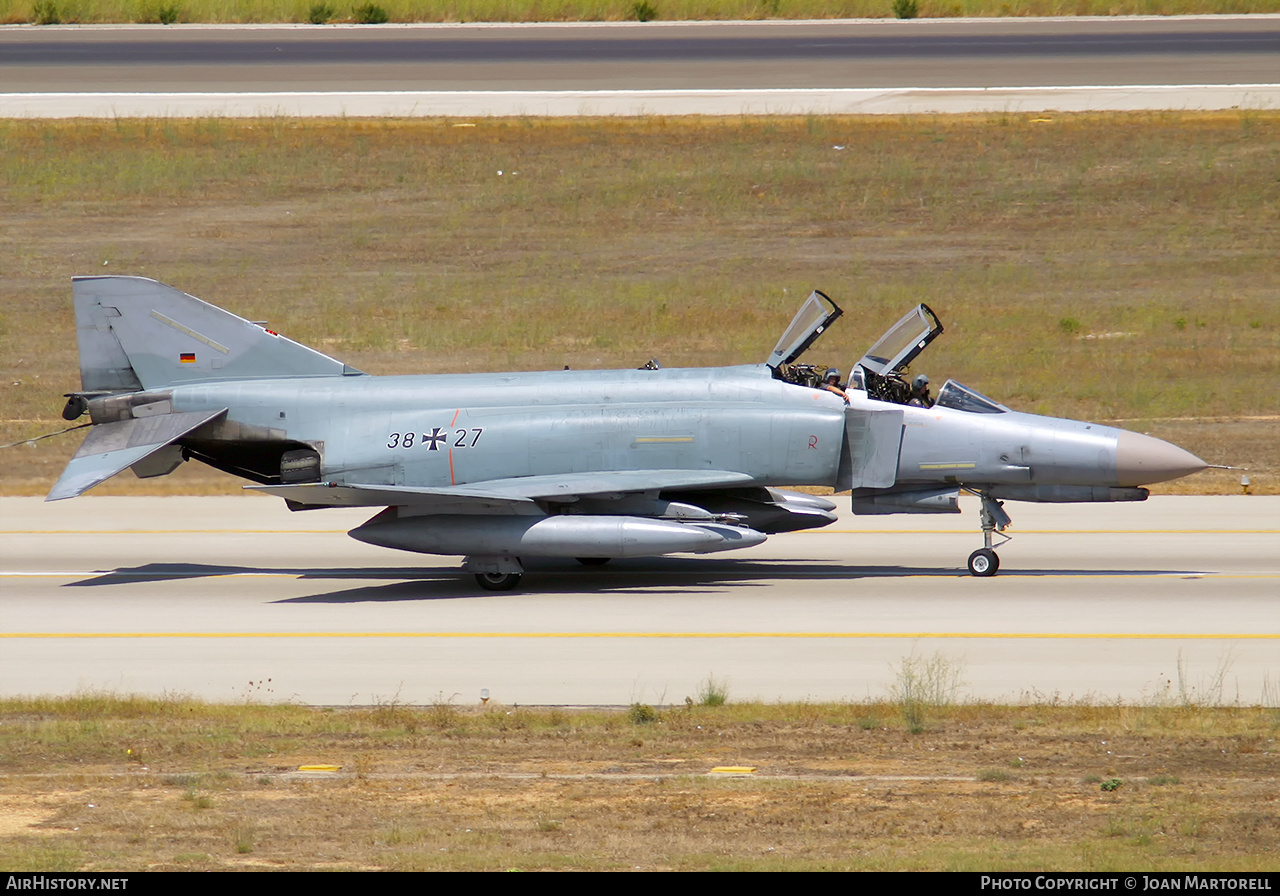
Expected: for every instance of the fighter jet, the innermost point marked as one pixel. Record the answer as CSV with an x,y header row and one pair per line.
x,y
592,465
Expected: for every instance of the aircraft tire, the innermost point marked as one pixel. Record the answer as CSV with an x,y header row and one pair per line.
x,y
497,581
984,562
593,561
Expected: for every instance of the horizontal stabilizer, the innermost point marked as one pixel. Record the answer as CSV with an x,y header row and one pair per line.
x,y
515,495
111,447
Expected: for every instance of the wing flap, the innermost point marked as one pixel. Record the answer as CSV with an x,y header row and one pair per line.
x,y
517,495
429,500
111,447
567,486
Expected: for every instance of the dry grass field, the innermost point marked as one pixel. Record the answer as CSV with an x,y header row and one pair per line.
x,y
115,784
1112,268
358,11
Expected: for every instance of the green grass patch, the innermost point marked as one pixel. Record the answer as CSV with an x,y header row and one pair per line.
x,y
923,685
713,691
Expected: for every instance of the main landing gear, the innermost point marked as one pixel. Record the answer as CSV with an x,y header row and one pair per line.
x,y
502,573
985,561
498,581
494,573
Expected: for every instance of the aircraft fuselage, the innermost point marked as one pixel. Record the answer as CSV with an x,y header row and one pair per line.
x,y
454,429
587,464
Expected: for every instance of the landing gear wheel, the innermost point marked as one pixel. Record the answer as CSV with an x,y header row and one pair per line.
x,y
984,562
593,561
497,581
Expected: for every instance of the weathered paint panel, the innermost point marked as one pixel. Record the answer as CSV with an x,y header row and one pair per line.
x,y
450,430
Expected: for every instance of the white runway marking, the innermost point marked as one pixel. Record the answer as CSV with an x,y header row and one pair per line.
x,y
572,103
1130,600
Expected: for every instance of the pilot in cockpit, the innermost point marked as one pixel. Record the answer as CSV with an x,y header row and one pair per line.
x,y
920,397
831,382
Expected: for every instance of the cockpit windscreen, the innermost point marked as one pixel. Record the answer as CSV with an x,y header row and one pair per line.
x,y
962,398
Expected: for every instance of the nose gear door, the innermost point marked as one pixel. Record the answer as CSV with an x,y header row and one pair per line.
x,y
869,456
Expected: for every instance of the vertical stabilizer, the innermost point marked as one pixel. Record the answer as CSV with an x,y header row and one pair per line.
x,y
135,333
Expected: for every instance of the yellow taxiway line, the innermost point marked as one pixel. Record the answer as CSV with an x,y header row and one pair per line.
x,y
1083,636
862,532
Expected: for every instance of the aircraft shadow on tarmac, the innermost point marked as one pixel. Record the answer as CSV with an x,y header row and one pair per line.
x,y
644,576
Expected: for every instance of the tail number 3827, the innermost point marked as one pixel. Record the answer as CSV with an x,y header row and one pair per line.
x,y
436,439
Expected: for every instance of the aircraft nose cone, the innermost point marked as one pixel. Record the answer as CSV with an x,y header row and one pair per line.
x,y
1142,460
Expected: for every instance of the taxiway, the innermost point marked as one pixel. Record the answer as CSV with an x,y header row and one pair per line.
x,y
234,598
663,68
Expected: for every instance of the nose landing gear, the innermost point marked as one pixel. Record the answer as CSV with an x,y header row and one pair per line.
x,y
985,561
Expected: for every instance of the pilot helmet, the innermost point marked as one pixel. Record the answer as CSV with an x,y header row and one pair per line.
x,y
833,373
920,382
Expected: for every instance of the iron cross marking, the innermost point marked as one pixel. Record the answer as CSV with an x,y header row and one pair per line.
x,y
437,436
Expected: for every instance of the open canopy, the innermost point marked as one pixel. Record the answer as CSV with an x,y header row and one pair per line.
x,y
904,340
815,315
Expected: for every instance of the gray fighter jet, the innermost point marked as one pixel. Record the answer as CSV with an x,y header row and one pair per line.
x,y
590,465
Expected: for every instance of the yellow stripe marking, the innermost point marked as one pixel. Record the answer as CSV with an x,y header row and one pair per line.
x,y
1039,531
664,438
173,531
1039,636
804,532
357,574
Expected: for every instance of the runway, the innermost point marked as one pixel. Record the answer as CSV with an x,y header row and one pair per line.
x,y
678,68
236,598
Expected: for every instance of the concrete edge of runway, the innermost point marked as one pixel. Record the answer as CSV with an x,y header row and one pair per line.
x,y
613,103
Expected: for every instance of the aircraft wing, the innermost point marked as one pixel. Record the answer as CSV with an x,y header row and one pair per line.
x,y
110,447
503,496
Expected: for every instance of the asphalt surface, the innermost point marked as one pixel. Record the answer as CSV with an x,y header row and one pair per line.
x,y
991,53
571,69
233,598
